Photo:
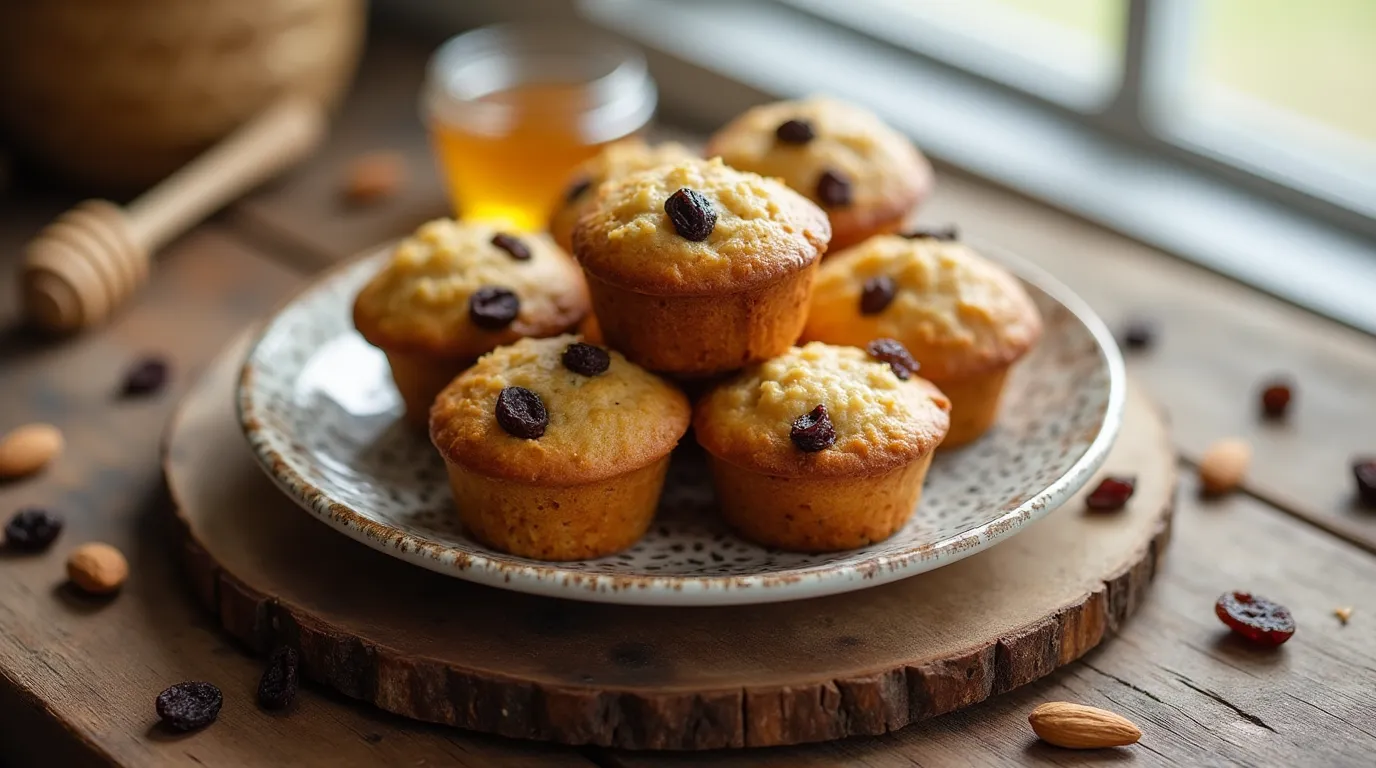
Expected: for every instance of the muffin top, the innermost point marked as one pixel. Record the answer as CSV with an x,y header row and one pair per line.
x,y
698,227
614,161
813,143
464,288
956,312
601,421
879,420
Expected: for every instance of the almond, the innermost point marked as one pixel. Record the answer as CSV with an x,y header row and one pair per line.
x,y
1225,463
374,176
29,448
1075,726
97,569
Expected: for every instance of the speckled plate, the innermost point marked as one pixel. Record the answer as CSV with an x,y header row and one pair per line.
x,y
317,406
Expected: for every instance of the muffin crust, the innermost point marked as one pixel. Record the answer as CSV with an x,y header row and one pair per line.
x,y
613,162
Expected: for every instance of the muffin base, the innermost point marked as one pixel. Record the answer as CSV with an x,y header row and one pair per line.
x,y
699,336
419,379
572,522
818,514
974,405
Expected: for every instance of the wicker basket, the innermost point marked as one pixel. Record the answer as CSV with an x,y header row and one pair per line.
x,y
119,94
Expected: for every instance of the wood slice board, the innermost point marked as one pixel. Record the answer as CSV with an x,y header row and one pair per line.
x,y
439,649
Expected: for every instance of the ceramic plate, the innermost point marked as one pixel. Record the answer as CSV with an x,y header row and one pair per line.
x,y
317,405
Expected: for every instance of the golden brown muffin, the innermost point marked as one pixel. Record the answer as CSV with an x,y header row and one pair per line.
x,y
613,162
866,175
822,448
965,319
557,449
454,291
697,268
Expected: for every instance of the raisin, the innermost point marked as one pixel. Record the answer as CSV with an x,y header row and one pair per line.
x,y
32,530
795,132
576,189
493,307
1139,333
521,413
893,352
512,245
813,432
585,359
146,377
945,234
1112,494
1255,618
188,706
691,213
1275,399
833,189
1364,470
277,687
877,294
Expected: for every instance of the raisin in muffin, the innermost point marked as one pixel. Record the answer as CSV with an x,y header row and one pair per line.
x,y
697,268
867,176
822,448
455,290
965,319
557,449
614,161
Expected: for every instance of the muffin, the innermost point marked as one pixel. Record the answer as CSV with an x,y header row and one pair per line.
x,y
614,161
965,319
454,291
823,448
867,176
557,449
697,268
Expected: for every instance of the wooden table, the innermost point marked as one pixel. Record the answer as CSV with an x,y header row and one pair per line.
x,y
78,678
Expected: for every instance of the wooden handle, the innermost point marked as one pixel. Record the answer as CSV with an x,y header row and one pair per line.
x,y
84,265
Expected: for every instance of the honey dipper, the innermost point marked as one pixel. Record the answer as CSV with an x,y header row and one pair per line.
x,y
91,259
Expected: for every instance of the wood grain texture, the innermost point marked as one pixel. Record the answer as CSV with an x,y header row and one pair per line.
x,y
443,650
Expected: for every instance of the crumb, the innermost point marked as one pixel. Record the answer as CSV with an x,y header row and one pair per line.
x,y
1343,614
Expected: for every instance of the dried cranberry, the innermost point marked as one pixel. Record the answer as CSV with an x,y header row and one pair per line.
x,y
576,189
833,189
521,413
493,307
1275,398
1113,493
512,245
188,706
813,432
146,377
585,359
945,234
32,530
795,132
893,352
277,687
877,294
1364,470
692,214
1139,333
1255,618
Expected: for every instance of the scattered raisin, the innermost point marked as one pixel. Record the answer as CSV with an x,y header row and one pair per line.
x,y
512,245
877,294
1255,618
146,377
32,530
493,307
1112,494
585,359
1364,470
893,352
945,234
813,431
833,189
277,687
521,413
576,189
1275,398
795,132
1139,333
691,213
188,706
